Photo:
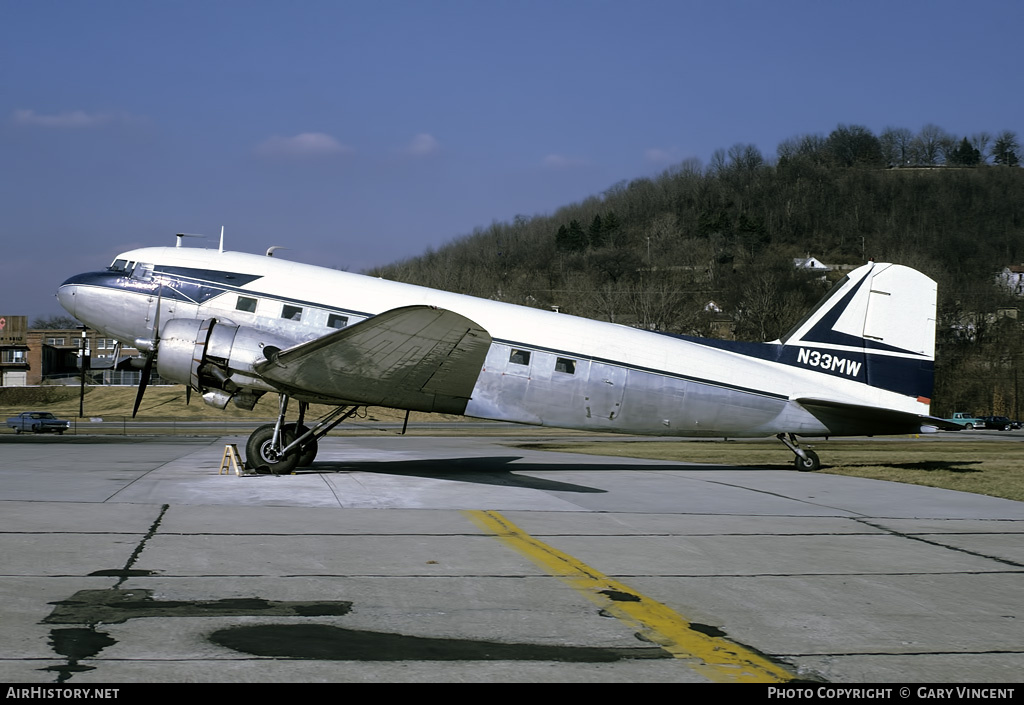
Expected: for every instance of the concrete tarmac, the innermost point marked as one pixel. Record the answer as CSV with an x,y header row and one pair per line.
x,y
128,560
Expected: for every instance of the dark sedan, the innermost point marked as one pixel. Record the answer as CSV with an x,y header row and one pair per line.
x,y
1000,423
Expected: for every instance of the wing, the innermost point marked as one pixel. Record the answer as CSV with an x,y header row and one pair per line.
x,y
416,357
854,419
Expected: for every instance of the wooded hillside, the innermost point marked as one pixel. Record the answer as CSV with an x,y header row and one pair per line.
x,y
655,253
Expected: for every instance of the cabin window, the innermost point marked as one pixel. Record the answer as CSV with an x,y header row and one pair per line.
x,y
291,313
336,320
519,357
246,303
566,365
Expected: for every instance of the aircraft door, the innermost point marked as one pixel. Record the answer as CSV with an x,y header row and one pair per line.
x,y
605,389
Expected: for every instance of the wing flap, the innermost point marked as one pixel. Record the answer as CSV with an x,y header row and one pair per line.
x,y
855,419
416,357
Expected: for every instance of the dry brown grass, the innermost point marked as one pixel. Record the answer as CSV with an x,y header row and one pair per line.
x,y
992,467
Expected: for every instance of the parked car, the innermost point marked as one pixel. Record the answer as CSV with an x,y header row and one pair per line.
x,y
1000,423
38,422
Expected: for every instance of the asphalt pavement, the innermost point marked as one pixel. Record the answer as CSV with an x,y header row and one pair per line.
x,y
430,559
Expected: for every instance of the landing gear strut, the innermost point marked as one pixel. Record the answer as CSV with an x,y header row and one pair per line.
x,y
280,447
806,460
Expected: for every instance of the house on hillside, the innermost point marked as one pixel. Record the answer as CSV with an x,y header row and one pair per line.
x,y
1012,277
812,264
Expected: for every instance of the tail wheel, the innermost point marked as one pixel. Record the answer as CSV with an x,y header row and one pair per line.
x,y
307,454
808,464
261,455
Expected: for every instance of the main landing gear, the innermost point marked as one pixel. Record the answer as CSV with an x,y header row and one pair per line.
x,y
278,448
806,460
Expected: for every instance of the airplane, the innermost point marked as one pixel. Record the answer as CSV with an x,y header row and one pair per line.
x,y
234,326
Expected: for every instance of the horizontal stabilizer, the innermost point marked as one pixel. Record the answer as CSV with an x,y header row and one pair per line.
x,y
854,419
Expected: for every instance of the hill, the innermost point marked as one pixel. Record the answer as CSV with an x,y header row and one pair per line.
x,y
668,253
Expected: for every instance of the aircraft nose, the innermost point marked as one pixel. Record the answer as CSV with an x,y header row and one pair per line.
x,y
67,294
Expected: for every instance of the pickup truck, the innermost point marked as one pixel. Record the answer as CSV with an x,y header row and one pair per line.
x,y
968,421
37,422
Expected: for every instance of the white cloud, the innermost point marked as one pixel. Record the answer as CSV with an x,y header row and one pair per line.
x,y
659,156
560,161
307,144
423,145
72,119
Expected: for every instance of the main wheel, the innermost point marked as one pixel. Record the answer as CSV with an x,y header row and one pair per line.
x,y
261,456
307,454
808,464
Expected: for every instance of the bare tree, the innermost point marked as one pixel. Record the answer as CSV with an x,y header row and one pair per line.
x,y
980,141
897,145
928,145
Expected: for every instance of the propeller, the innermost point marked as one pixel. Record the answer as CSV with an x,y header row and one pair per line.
x,y
147,369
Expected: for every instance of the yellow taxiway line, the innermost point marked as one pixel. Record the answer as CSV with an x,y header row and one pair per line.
x,y
714,657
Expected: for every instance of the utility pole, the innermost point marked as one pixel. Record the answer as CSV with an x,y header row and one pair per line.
x,y
84,358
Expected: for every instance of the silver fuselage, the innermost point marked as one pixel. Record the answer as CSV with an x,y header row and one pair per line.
x,y
542,367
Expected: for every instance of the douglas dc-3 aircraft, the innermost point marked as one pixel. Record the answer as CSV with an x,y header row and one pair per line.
x,y
235,326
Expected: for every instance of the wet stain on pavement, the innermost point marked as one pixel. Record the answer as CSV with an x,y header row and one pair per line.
x,y
121,573
330,643
74,644
118,606
619,596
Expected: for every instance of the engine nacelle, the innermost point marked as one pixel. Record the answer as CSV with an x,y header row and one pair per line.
x,y
216,358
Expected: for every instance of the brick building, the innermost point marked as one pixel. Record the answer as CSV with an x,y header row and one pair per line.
x,y
30,357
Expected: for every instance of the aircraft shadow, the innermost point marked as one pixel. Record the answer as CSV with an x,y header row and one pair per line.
x,y
501,471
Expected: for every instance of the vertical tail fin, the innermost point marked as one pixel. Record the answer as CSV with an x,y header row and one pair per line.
x,y
876,326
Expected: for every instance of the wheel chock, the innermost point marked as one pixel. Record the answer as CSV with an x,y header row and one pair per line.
x,y
230,458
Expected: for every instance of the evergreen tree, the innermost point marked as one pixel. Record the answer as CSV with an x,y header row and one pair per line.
x,y
596,232
577,239
965,155
1005,150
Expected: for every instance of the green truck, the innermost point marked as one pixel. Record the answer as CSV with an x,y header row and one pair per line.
x,y
968,421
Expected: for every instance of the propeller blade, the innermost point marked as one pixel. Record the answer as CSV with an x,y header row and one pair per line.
x,y
143,381
148,367
188,395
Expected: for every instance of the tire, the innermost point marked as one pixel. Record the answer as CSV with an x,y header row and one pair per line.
x,y
968,427
257,453
808,464
307,454
36,429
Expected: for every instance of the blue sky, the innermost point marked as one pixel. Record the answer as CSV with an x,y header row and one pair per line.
x,y
360,133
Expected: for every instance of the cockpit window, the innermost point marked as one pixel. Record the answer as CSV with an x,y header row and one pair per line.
x,y
143,272
119,265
